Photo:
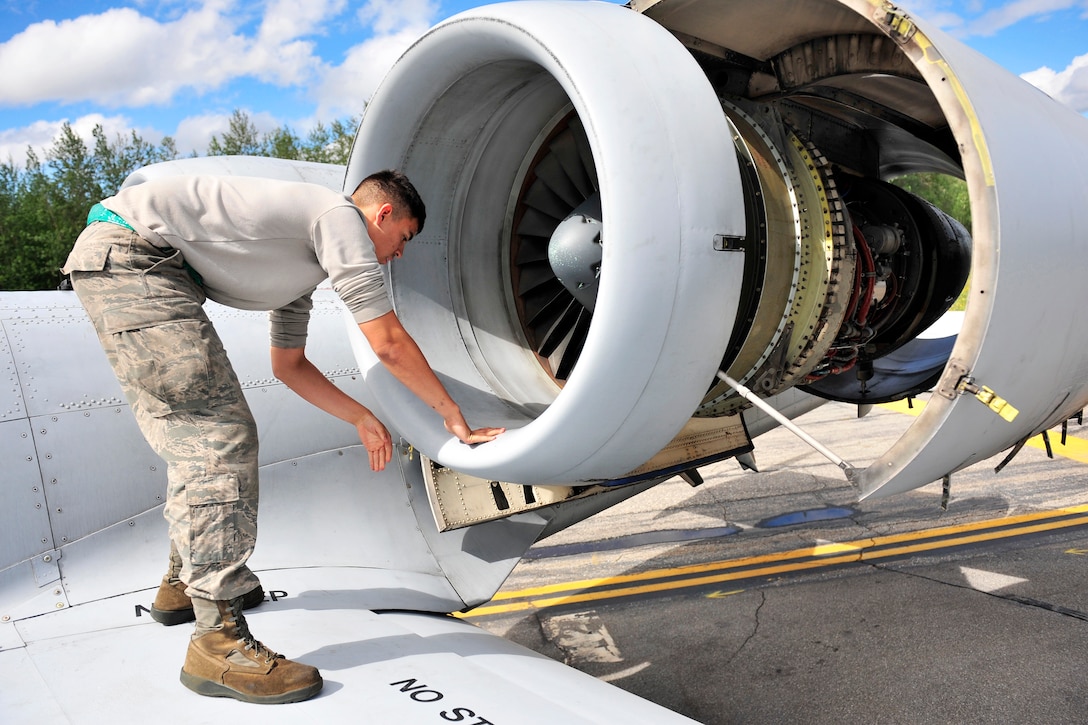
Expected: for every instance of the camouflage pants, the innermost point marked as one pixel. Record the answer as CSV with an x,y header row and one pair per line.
x,y
186,398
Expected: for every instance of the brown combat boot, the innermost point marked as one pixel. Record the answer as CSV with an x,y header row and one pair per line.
x,y
228,662
173,606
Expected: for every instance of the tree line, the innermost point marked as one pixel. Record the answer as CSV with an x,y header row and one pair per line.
x,y
44,203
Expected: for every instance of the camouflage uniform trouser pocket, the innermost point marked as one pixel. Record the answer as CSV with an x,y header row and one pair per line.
x,y
174,366
213,520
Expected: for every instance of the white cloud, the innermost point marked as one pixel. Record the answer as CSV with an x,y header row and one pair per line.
x,y
14,141
121,57
389,17
125,58
285,20
1069,86
971,18
935,12
195,132
40,135
345,90
992,21
95,48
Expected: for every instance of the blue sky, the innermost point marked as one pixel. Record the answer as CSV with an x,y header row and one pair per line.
x,y
180,67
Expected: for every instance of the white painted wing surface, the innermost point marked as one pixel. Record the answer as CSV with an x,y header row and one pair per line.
x,y
102,663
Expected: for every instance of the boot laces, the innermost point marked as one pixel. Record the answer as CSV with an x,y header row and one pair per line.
x,y
245,637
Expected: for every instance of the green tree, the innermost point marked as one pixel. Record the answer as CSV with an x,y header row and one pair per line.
x,y
282,144
116,160
43,206
331,144
323,144
58,194
947,193
241,138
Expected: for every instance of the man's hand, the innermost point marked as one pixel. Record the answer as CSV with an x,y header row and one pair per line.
x,y
401,356
292,367
460,428
376,438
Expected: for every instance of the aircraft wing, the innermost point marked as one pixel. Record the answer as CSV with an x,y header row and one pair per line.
x,y
103,662
360,579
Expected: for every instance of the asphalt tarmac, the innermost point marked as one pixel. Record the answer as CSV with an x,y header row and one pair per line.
x,y
776,597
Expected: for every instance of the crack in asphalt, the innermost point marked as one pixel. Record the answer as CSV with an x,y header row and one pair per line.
x,y
755,628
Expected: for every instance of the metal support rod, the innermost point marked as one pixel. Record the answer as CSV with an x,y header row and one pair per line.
x,y
789,424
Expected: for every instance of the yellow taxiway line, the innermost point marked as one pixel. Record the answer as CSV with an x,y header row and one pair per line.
x,y
797,560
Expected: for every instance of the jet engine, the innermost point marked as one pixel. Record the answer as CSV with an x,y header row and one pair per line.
x,y
625,200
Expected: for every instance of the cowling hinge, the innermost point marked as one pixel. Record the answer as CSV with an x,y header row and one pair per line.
x,y
993,401
898,23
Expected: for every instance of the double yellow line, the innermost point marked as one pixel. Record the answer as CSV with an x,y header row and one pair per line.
x,y
768,565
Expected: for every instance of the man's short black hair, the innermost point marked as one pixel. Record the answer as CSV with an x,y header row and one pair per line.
x,y
393,186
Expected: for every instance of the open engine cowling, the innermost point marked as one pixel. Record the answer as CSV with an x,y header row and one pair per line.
x,y
463,113
624,200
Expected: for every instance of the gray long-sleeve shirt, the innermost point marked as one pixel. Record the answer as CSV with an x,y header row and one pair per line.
x,y
262,244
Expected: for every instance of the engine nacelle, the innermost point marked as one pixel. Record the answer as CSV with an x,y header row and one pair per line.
x,y
623,201
478,112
